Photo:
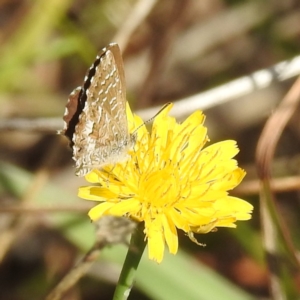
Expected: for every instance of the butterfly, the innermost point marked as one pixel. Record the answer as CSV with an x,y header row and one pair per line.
x,y
95,118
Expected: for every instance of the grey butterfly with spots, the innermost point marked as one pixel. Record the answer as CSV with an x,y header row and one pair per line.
x,y
95,116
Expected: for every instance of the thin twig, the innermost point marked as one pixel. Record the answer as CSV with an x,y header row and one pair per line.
x,y
110,230
230,91
166,34
273,130
38,210
39,125
20,224
75,273
139,12
279,185
275,229
246,188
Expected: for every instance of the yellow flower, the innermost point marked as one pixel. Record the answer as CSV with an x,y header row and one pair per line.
x,y
171,182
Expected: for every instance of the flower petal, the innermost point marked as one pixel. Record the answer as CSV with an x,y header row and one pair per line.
x,y
96,193
170,234
156,242
171,182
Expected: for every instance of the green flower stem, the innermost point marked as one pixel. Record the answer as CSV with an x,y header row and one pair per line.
x,y
132,260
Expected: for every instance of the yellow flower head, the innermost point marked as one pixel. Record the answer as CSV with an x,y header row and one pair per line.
x,y
171,182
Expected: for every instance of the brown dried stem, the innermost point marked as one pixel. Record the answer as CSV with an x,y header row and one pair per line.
x,y
274,228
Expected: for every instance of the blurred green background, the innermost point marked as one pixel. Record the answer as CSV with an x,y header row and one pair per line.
x,y
171,50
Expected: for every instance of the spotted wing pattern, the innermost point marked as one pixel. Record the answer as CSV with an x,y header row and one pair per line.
x,y
95,118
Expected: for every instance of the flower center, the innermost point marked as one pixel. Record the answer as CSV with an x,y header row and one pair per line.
x,y
159,188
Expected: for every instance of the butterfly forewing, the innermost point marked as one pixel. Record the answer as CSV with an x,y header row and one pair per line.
x,y
101,134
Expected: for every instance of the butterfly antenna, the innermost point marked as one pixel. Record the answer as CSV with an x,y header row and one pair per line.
x,y
151,119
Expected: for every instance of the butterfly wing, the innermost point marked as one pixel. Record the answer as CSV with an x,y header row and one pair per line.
x,y
101,132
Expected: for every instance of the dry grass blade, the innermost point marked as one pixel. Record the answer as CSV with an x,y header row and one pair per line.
x,y
165,38
225,93
19,224
275,231
110,230
252,187
134,19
